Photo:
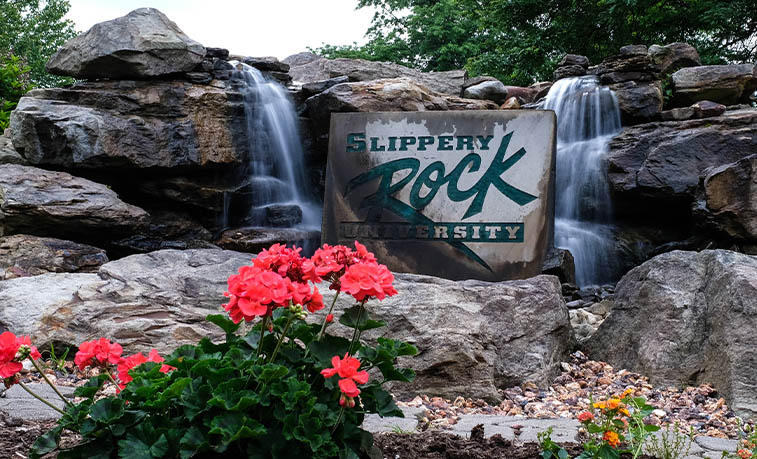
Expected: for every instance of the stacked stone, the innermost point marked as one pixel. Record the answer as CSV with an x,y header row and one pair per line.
x,y
571,65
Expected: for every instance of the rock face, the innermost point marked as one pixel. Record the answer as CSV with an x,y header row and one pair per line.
x,y
639,102
23,255
142,44
487,90
134,124
656,164
392,95
674,56
158,300
476,337
687,318
308,69
56,203
730,196
8,154
725,84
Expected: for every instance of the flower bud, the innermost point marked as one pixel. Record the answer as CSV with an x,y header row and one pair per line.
x,y
329,318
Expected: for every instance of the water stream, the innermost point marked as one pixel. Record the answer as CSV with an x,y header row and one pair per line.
x,y
587,118
276,169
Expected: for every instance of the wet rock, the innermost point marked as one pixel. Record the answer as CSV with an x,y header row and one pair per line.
x,y
568,71
523,95
541,88
124,301
309,89
724,84
560,263
475,337
677,114
674,56
220,53
687,318
268,63
23,255
48,203
254,239
730,198
639,102
283,215
492,90
318,68
199,77
142,44
166,230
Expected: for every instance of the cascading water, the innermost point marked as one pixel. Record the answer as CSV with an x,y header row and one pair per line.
x,y
276,169
587,118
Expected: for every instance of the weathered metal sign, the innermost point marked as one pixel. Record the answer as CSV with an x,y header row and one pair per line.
x,y
461,195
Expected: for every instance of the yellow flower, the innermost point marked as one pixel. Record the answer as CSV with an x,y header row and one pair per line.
x,y
627,392
600,405
613,403
625,412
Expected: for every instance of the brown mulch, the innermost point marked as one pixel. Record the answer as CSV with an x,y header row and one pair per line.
x,y
17,436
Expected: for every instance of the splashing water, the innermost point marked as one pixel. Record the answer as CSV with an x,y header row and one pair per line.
x,y
276,168
587,118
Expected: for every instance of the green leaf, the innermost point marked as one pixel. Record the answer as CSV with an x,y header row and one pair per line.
x,y
192,442
328,347
107,410
351,315
223,321
651,428
608,452
90,388
562,454
133,448
46,443
235,426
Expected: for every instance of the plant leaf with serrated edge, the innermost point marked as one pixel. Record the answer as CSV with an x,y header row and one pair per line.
x,y
107,410
46,443
90,388
223,321
350,319
328,347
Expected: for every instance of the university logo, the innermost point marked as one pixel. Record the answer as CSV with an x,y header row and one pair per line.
x,y
408,183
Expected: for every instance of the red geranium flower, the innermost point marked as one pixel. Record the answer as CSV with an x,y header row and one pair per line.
x,y
368,280
102,350
347,369
136,360
10,358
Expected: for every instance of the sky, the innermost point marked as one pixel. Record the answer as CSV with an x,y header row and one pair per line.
x,y
247,27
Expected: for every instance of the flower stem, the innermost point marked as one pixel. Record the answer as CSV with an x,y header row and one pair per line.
x,y
23,386
44,376
323,326
262,333
356,333
110,376
281,339
336,424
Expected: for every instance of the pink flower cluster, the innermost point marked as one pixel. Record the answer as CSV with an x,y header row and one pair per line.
x,y
13,351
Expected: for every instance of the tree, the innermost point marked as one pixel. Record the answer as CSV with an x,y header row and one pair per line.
x,y
520,41
14,83
34,30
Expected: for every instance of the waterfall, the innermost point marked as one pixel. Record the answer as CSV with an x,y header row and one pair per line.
x,y
276,170
587,118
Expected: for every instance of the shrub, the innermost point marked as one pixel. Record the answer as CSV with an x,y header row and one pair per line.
x,y
14,83
286,388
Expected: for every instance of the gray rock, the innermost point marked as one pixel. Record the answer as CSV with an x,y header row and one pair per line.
x,y
158,300
253,239
487,90
303,58
568,71
686,318
639,102
268,63
674,56
707,109
655,164
283,215
166,230
633,50
523,95
199,77
477,80
560,263
574,59
24,255
320,69
221,53
730,198
475,337
542,89
56,203
677,114
394,95
8,154
725,84
134,124
316,87
717,444
142,44
623,63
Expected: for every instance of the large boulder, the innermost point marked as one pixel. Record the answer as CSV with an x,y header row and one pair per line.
x,y
49,203
638,101
391,95
674,56
725,84
654,165
687,318
158,300
319,68
493,90
132,124
142,44
23,255
475,338
8,154
730,198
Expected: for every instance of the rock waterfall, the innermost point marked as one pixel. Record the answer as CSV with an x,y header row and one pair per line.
x,y
587,118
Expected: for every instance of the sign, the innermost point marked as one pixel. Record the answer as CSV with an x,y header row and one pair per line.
x,y
461,195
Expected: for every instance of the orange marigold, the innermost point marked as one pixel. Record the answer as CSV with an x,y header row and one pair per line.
x,y
600,405
613,404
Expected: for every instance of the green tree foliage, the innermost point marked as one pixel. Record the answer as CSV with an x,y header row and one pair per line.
x,y
34,30
14,82
520,41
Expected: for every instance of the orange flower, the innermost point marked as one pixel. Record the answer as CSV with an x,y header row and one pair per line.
x,y
744,454
613,403
585,416
627,392
625,412
600,405
611,438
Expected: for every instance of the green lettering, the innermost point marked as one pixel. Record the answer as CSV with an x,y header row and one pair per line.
x,y
465,142
375,146
445,142
356,142
424,141
405,141
484,141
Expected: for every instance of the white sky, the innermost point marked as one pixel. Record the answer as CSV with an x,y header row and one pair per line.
x,y
248,27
